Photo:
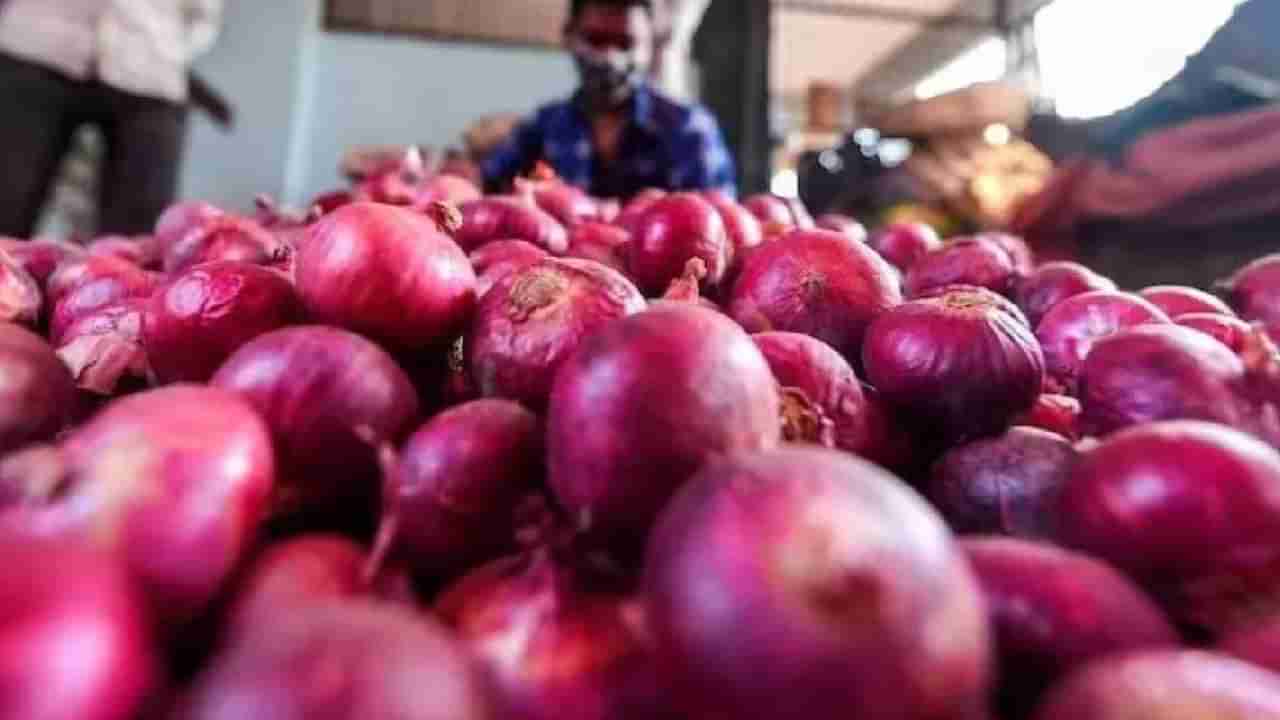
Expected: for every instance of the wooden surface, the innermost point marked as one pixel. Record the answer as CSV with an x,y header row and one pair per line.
x,y
516,22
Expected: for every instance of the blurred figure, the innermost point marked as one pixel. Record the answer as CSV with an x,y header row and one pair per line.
x,y
616,135
120,65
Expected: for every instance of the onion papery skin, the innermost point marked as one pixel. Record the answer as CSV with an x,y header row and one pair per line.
x,y
105,350
496,260
807,577
826,380
642,404
1131,500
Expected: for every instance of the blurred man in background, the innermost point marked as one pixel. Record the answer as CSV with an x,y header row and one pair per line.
x,y
121,65
616,135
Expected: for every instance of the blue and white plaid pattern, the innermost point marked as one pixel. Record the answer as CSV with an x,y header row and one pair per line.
x,y
667,145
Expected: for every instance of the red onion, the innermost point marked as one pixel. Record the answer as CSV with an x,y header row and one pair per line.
x,y
174,481
958,365
532,320
330,201
1007,485
393,182
1254,292
387,273
446,188
20,298
227,238
317,388
40,257
1177,300
104,350
496,260
819,391
1165,684
569,205
525,614
350,660
903,244
1188,508
605,244
890,443
843,224
80,287
817,283
450,501
1053,282
745,231
37,396
181,218
1024,260
1160,372
642,403
195,321
1226,329
977,261
1056,413
305,571
809,580
1258,643
79,640
629,218
1054,611
510,218
779,211
142,251
676,229
1069,330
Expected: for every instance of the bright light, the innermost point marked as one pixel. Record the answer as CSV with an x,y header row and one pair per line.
x,y
786,184
1100,56
997,134
984,63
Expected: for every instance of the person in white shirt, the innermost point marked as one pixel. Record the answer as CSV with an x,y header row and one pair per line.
x,y
121,65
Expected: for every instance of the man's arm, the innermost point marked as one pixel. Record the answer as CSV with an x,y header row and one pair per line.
x,y
516,156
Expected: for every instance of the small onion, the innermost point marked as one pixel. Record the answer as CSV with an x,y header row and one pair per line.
x,y
1160,372
1165,684
227,238
569,205
904,244
532,320
818,388
1058,414
843,224
643,403
201,316
605,244
104,350
1053,282
1254,292
387,273
556,642
779,212
81,287
745,231
809,580
1053,611
977,261
509,218
450,501
959,364
1069,330
817,283
317,388
1007,485
77,644
1024,260
1191,510
37,394
1177,300
629,218
675,230
1226,329
349,660
143,251
496,260
182,217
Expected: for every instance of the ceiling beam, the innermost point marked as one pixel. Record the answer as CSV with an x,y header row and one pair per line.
x,y
1003,17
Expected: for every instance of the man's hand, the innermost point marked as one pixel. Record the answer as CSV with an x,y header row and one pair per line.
x,y
970,110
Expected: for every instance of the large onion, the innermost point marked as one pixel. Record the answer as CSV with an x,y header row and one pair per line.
x,y
745,231
904,244
817,283
1190,509
1254,291
319,389
387,273
199,317
643,403
37,395
1069,330
960,364
533,320
675,230
229,237
509,218
809,580
967,261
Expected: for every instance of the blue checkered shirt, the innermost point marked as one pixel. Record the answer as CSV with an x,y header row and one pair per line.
x,y
666,145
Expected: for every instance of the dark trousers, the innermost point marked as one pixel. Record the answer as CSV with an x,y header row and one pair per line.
x,y
40,111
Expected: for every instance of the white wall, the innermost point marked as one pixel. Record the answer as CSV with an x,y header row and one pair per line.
x,y
372,89
303,96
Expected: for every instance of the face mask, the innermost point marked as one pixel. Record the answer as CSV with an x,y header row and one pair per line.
x,y
608,78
